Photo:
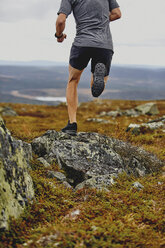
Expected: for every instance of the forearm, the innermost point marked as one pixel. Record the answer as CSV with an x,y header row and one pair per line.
x,y
60,28
60,24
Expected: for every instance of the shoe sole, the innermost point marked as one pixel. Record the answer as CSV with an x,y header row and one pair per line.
x,y
98,80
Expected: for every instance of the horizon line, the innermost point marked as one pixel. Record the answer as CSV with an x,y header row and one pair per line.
x,y
57,63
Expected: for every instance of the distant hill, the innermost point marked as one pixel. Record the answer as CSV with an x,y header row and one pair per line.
x,y
23,83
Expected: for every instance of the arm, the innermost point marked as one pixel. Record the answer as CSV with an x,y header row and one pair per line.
x,y
115,14
60,26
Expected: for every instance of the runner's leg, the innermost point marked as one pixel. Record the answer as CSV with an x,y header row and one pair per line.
x,y
71,92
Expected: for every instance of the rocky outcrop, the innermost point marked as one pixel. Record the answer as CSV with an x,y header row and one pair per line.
x,y
7,111
91,159
144,109
16,187
143,127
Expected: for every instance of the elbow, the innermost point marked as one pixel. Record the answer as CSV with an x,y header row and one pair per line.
x,y
61,20
60,23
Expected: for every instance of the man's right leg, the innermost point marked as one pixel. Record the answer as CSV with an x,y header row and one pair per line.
x,y
100,67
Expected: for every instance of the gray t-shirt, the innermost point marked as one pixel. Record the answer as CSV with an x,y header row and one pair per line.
x,y
92,21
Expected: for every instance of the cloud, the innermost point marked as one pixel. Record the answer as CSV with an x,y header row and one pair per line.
x,y
17,10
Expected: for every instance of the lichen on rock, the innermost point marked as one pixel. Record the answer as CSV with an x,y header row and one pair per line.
x,y
89,155
16,186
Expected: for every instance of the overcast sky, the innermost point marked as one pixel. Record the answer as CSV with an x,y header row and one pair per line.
x,y
28,26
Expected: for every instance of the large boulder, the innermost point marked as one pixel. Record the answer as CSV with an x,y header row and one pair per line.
x,y
148,108
16,187
93,156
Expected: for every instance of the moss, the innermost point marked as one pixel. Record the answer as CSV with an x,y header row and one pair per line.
x,y
122,217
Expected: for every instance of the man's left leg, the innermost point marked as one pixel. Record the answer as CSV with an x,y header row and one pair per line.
x,y
71,92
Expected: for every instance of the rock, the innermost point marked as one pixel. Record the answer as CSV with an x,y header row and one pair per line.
x,y
89,155
46,241
103,113
43,162
115,113
148,108
131,112
98,182
67,185
58,175
162,119
73,215
139,128
7,111
138,185
98,120
16,187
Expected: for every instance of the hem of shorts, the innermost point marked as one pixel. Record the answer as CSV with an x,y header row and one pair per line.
x,y
93,45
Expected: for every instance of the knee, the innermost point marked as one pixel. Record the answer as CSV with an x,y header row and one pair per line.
x,y
73,80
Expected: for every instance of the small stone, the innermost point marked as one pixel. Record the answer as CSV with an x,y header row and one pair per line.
x,y
43,162
131,112
73,215
58,175
103,113
67,185
138,185
97,120
115,113
160,183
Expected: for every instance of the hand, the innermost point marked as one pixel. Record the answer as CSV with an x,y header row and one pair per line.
x,y
62,38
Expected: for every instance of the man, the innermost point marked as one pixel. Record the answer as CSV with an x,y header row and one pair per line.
x,y
93,41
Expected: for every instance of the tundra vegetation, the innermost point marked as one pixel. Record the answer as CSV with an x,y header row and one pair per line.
x,y
124,216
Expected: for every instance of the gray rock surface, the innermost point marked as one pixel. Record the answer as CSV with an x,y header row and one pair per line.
x,y
138,186
7,111
43,162
16,186
58,175
99,182
89,155
148,108
98,120
138,128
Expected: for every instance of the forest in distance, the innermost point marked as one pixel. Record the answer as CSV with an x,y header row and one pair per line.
x,y
26,83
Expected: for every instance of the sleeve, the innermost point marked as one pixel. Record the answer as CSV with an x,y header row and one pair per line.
x,y
113,5
65,8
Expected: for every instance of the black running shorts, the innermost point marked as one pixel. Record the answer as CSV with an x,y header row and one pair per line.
x,y
80,57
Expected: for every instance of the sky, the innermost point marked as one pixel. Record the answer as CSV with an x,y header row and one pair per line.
x,y
28,26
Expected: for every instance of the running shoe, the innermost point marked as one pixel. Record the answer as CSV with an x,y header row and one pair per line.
x,y
71,128
98,80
